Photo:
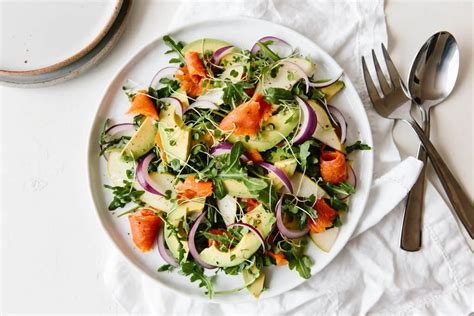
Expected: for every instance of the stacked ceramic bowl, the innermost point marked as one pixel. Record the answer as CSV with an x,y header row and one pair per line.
x,y
61,40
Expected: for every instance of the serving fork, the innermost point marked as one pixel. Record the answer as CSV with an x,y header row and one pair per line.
x,y
394,104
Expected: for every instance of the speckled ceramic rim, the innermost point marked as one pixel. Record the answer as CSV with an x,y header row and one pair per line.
x,y
81,65
73,58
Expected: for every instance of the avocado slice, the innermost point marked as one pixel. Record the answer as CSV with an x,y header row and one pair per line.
x,y
288,166
204,45
163,182
255,278
331,90
175,135
274,130
175,217
303,186
142,141
286,76
248,245
326,239
236,188
182,96
324,131
117,167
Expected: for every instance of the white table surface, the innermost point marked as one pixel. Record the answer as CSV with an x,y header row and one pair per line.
x,y
52,247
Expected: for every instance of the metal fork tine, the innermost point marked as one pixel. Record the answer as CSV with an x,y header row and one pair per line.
x,y
392,71
371,89
382,80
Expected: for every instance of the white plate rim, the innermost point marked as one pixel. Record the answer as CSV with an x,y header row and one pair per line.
x,y
75,56
97,124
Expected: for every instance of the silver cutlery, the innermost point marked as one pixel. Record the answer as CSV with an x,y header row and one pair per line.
x,y
432,77
394,104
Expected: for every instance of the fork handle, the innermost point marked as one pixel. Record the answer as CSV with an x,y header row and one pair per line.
x,y
411,236
456,195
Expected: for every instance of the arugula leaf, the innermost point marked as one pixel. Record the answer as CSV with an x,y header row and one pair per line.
x,y
278,95
342,188
358,145
165,267
196,273
175,47
302,264
124,195
267,51
337,204
234,93
304,153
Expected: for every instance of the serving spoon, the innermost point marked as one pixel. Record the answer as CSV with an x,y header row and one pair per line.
x,y
432,78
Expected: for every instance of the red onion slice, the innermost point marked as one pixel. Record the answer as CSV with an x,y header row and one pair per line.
x,y
299,71
192,246
115,129
340,120
253,230
178,105
275,40
221,52
280,174
308,126
166,71
225,148
202,104
289,233
143,177
326,83
163,251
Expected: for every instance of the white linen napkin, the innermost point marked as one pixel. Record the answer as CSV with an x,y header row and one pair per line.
x,y
371,274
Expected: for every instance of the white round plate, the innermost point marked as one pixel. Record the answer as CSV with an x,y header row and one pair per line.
x,y
242,32
43,36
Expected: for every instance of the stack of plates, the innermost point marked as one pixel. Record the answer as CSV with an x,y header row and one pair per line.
x,y
46,42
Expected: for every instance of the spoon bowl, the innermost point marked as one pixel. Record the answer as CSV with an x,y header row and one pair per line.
x,y
434,70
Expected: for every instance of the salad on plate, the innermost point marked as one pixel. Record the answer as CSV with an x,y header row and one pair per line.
x,y
231,161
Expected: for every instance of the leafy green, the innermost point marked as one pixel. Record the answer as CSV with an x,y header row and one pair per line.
x,y
196,273
234,93
358,145
278,95
342,188
267,51
302,264
124,195
166,267
175,47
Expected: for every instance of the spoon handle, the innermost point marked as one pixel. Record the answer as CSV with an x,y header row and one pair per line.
x,y
456,195
411,236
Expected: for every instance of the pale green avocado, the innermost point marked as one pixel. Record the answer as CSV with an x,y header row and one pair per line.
x,y
324,131
287,76
117,167
233,73
182,96
163,182
332,90
236,188
173,243
204,45
248,245
274,130
213,95
255,279
175,217
142,141
210,45
303,186
288,166
175,135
